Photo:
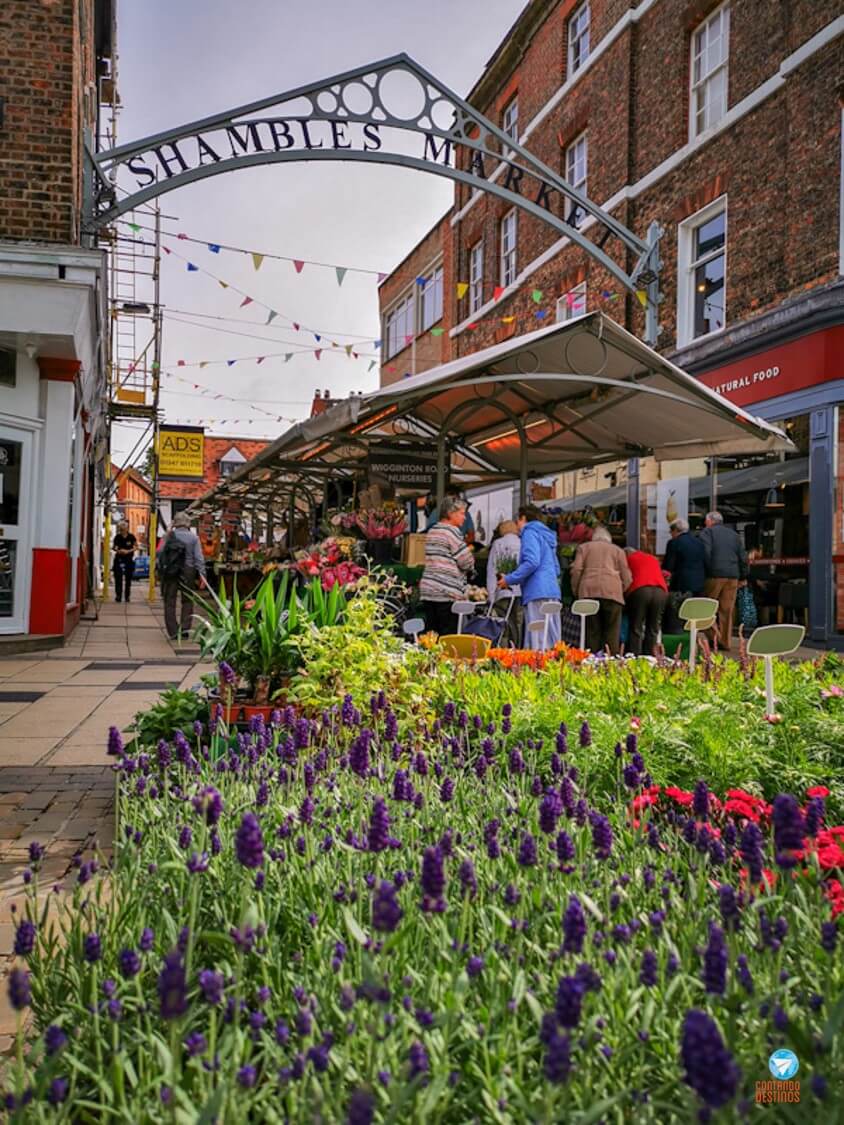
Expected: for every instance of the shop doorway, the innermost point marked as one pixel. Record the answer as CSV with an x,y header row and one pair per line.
x,y
15,483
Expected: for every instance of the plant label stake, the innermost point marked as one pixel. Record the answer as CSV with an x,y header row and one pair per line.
x,y
769,641
583,608
698,613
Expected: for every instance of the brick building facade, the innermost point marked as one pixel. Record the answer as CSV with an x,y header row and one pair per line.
x,y
134,504
54,55
722,122
222,455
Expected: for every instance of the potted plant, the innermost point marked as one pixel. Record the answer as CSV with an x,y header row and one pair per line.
x,y
381,527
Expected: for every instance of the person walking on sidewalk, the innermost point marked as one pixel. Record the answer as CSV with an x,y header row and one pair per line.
x,y
124,561
725,560
181,566
600,571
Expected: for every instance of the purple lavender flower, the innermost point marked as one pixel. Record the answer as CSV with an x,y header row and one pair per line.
x,y
631,776
474,966
743,974
92,948
493,848
209,803
447,790
418,1058
359,754
710,1068
386,912
249,843
574,925
246,1077
227,673
19,991
517,762
379,826
565,847
672,964
819,1086
815,811
829,936
557,1064
602,836
715,961
145,942
361,1108
751,852
185,837
36,853
197,863
172,987
527,851
54,1039
585,735
700,800
196,1044
25,933
468,879
588,977
568,1002
789,829
433,880
648,969
115,743
550,810
57,1091
728,903
129,963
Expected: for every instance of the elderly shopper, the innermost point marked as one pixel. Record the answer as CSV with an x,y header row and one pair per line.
x,y
684,560
181,567
725,560
538,574
646,598
448,559
506,602
600,571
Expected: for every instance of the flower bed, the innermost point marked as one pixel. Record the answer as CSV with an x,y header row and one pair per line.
x,y
353,919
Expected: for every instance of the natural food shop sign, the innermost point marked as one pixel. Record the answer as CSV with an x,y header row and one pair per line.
x,y
181,453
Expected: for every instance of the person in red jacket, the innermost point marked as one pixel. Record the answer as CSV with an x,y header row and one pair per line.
x,y
646,598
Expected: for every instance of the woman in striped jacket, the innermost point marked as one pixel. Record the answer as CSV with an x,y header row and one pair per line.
x,y
448,559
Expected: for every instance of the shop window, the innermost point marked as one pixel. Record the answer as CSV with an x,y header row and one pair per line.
x,y
578,38
709,72
230,462
577,160
476,276
508,248
702,273
8,366
432,299
398,326
510,122
572,304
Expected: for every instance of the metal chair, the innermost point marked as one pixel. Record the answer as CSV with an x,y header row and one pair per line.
x,y
413,628
465,646
583,608
462,609
769,641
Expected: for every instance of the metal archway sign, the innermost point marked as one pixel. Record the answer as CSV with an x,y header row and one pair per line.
x,y
390,112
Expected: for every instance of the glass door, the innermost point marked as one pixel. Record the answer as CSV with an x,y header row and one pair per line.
x,y
15,449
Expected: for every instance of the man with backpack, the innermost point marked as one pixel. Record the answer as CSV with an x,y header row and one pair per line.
x,y
181,566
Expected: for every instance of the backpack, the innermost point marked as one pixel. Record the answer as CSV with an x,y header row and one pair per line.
x,y
173,556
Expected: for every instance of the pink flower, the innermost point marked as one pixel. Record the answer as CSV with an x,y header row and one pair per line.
x,y
635,723
329,578
773,719
832,692
817,791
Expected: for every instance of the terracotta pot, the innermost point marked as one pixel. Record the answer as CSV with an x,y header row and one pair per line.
x,y
262,690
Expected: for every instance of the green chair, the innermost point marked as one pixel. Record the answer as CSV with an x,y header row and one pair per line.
x,y
698,613
769,641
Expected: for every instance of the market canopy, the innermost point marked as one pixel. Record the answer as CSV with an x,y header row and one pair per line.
x,y
564,397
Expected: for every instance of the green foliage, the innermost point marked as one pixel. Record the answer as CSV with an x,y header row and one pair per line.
x,y
175,710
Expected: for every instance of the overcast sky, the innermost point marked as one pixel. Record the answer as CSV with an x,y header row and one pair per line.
x,y
181,60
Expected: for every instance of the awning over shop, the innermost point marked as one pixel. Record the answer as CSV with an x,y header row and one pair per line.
x,y
564,397
757,478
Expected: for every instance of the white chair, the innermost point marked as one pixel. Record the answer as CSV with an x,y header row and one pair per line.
x,y
698,613
462,609
583,608
769,641
548,609
413,628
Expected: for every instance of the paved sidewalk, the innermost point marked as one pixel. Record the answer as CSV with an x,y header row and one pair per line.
x,y
56,783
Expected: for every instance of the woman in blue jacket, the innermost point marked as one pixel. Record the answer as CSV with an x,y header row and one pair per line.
x,y
538,574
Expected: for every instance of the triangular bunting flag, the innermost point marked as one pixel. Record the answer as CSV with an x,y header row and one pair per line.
x,y
348,350
166,249
462,289
261,358
570,300
507,319
377,343
372,363
204,363
288,356
472,326
134,226
381,277
537,295
317,337
421,281
643,297
257,260
341,274
224,285
318,352
497,292
182,236
355,354
295,325
231,362
299,266
180,363
540,314
246,301
408,339
213,247
437,331
272,315
605,293
192,268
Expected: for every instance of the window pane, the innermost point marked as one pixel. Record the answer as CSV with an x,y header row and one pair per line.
x,y
709,296
710,235
476,276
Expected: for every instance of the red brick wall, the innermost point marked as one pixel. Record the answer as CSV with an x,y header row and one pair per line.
x,y
215,448
429,350
46,60
779,164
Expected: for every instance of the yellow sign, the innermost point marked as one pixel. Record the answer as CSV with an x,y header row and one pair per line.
x,y
181,452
